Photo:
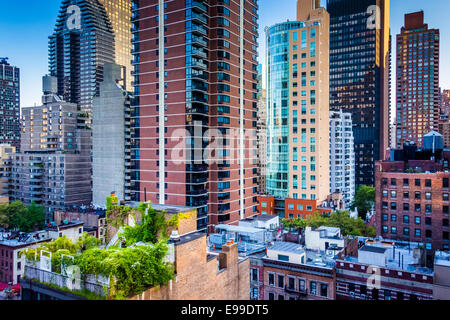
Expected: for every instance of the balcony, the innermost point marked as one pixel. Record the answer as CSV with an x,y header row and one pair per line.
x,y
199,7
199,53
199,17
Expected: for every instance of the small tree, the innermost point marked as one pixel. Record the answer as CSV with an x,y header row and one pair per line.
x,y
364,200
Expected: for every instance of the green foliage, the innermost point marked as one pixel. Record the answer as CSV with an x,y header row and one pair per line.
x,y
132,269
294,223
338,219
17,216
135,269
364,200
152,228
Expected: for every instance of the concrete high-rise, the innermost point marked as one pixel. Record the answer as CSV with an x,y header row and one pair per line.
x,y
111,138
342,156
298,144
53,167
196,81
9,104
359,76
417,94
89,33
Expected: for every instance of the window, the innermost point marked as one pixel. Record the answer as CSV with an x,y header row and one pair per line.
x,y
406,219
301,285
313,287
271,296
406,232
254,274
428,183
387,294
324,290
271,279
291,284
280,281
417,182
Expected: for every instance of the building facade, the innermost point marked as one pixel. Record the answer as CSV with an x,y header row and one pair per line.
x,y
386,270
9,104
83,40
53,168
6,152
359,76
298,105
111,138
412,199
196,82
342,156
293,273
417,86
262,132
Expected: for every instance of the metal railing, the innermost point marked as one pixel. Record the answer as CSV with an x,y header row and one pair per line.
x,y
66,282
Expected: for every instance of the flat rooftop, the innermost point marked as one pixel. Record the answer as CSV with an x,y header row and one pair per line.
x,y
238,229
25,239
313,258
400,256
287,247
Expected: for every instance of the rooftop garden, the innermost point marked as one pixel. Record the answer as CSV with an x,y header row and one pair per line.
x,y
134,264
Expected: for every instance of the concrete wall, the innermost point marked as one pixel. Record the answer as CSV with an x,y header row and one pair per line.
x,y
109,139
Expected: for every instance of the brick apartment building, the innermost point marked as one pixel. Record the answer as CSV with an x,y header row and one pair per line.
x,y
383,270
288,271
10,246
417,89
195,73
412,197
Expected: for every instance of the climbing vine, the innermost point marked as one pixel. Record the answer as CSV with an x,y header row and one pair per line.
x,y
132,269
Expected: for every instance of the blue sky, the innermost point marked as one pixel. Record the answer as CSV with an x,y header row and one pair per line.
x,y
26,25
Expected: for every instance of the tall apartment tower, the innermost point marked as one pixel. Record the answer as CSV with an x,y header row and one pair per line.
x,y
9,104
196,80
53,167
417,91
342,156
359,76
298,144
111,138
89,33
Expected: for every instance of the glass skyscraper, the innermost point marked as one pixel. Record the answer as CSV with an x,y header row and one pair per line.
x,y
359,76
298,105
82,42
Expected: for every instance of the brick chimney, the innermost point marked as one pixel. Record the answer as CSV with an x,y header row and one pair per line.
x,y
228,258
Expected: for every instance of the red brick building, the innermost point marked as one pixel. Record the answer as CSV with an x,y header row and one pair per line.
x,y
413,201
196,77
417,88
384,270
290,208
